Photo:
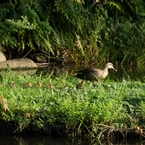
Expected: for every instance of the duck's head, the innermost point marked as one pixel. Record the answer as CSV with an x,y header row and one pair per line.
x,y
109,65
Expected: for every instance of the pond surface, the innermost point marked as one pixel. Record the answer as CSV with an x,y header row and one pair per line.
x,y
9,139
123,72
129,73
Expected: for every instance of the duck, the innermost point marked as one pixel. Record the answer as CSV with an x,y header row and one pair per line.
x,y
93,74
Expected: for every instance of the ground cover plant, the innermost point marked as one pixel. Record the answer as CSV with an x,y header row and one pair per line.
x,y
79,31
53,104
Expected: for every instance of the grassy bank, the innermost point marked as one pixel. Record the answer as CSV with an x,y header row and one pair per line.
x,y
54,104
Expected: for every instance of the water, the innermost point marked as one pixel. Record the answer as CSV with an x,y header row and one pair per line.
x,y
9,139
129,72
123,72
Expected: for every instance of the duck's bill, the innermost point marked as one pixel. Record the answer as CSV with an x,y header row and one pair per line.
x,y
115,69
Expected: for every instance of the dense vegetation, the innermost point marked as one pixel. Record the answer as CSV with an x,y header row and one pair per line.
x,y
54,104
78,30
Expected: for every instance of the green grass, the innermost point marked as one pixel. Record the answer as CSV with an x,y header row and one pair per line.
x,y
42,102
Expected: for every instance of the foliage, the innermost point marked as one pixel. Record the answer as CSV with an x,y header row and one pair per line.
x,y
23,30
42,102
123,32
88,32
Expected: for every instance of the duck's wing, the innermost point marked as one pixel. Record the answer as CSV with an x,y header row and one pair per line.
x,y
82,73
86,74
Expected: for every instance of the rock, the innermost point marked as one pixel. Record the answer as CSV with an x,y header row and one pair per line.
x,y
2,57
23,63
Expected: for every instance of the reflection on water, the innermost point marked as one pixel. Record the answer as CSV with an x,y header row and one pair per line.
x,y
129,73
123,72
7,139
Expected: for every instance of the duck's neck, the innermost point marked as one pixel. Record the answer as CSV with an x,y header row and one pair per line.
x,y
105,73
105,69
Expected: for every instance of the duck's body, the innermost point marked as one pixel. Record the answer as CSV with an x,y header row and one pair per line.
x,y
93,74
